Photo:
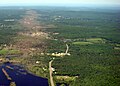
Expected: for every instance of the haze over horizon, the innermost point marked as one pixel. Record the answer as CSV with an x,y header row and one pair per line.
x,y
60,3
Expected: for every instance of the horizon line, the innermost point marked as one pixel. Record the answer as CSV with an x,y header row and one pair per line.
x,y
85,5
57,4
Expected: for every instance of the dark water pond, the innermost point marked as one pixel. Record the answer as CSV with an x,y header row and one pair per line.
x,y
20,76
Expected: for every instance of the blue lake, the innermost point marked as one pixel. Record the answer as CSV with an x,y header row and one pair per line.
x,y
20,76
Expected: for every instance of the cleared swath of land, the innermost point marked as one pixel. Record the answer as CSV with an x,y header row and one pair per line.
x,y
31,39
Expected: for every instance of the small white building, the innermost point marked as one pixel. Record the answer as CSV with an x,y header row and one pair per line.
x,y
37,62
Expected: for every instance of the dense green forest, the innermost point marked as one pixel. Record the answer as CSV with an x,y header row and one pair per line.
x,y
9,24
92,37
95,63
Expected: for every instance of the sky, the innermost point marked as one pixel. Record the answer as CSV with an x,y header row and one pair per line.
x,y
58,2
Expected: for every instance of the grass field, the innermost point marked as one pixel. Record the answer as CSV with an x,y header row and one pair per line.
x,y
9,52
82,43
96,40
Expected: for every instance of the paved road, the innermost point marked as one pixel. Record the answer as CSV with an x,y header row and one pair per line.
x,y
51,71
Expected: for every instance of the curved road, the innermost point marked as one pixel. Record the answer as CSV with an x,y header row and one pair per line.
x,y
51,71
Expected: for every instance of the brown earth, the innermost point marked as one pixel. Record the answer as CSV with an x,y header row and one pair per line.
x,y
31,39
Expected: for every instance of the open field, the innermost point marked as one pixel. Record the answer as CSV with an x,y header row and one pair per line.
x,y
82,43
96,40
9,52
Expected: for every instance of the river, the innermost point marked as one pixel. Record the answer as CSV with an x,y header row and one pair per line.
x,y
20,76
